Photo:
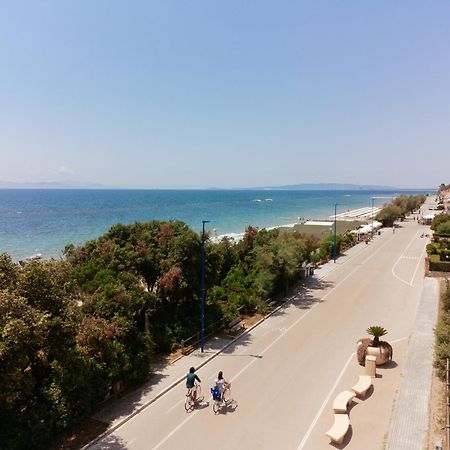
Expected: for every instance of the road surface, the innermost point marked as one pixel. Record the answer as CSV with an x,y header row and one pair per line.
x,y
286,371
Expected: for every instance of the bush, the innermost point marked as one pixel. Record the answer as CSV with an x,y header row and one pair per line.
x,y
437,265
442,333
443,229
433,249
439,219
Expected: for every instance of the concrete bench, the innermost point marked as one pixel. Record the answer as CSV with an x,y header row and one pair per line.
x,y
363,384
339,429
342,400
236,324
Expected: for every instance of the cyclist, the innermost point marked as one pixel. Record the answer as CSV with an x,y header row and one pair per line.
x,y
190,383
222,384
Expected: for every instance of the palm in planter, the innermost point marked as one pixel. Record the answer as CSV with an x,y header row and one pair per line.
x,y
377,332
382,350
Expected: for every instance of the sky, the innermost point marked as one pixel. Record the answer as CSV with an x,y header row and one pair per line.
x,y
198,94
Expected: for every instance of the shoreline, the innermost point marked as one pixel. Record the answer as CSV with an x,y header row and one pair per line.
x,y
44,222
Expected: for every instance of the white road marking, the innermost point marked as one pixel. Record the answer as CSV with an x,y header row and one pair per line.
x,y
324,404
327,399
191,415
175,406
276,340
402,256
417,267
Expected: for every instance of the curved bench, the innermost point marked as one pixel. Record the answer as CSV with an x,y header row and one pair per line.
x,y
363,384
339,429
342,400
236,325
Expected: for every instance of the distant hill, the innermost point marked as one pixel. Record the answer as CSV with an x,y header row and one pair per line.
x,y
332,187
49,185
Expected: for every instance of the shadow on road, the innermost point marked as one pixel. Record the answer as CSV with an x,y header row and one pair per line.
x,y
230,407
112,442
131,400
305,297
389,365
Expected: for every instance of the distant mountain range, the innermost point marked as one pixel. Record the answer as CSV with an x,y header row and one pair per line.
x,y
292,187
332,187
49,185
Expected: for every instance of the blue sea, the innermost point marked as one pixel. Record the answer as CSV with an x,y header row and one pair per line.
x,y
45,221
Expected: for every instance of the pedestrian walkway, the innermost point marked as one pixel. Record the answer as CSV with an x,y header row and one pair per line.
x,y
409,423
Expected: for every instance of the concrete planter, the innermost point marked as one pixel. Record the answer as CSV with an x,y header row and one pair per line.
x,y
381,354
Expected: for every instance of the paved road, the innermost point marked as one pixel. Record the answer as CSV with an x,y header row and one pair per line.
x,y
286,372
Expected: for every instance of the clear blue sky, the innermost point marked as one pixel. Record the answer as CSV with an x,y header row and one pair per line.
x,y
226,94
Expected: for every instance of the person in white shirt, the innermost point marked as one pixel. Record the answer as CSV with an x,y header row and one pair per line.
x,y
222,384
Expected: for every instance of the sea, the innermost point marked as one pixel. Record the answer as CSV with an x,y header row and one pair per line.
x,y
44,221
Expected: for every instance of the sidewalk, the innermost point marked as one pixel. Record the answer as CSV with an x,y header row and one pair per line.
x,y
409,424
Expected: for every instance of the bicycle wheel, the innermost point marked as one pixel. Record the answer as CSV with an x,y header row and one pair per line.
x,y
226,395
216,406
198,391
188,403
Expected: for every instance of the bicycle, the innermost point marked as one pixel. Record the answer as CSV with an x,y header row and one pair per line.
x,y
223,401
191,399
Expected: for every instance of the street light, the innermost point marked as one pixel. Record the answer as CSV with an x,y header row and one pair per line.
x,y
334,238
202,292
371,231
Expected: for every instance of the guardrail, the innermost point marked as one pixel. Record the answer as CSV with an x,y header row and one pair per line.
x,y
191,343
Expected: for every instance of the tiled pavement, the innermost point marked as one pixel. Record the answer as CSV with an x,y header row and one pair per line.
x,y
409,424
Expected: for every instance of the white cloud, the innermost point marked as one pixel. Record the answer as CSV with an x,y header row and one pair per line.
x,y
64,170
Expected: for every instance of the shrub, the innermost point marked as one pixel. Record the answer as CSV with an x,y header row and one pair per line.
x,y
443,228
433,249
442,333
437,265
437,220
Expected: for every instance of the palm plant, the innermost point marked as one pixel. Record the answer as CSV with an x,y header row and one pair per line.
x,y
376,331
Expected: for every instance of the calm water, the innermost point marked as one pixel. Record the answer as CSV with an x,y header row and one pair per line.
x,y
44,221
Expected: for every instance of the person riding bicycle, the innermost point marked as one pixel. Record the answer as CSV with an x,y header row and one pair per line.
x,y
190,383
222,384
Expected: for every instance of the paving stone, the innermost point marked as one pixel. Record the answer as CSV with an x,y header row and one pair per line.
x,y
409,424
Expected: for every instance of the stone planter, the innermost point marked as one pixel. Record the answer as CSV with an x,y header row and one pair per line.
x,y
381,354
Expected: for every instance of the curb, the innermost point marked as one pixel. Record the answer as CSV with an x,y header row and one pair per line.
x,y
179,380
175,383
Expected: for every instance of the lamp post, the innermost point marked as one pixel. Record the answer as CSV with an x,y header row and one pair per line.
x,y
202,292
334,237
371,231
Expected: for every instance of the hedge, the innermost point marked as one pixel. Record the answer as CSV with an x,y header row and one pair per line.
x,y
437,265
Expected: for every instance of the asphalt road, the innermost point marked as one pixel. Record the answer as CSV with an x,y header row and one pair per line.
x,y
285,371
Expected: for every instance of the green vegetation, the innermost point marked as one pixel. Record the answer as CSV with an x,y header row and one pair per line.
x,y
377,332
440,219
442,333
74,331
400,207
439,250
